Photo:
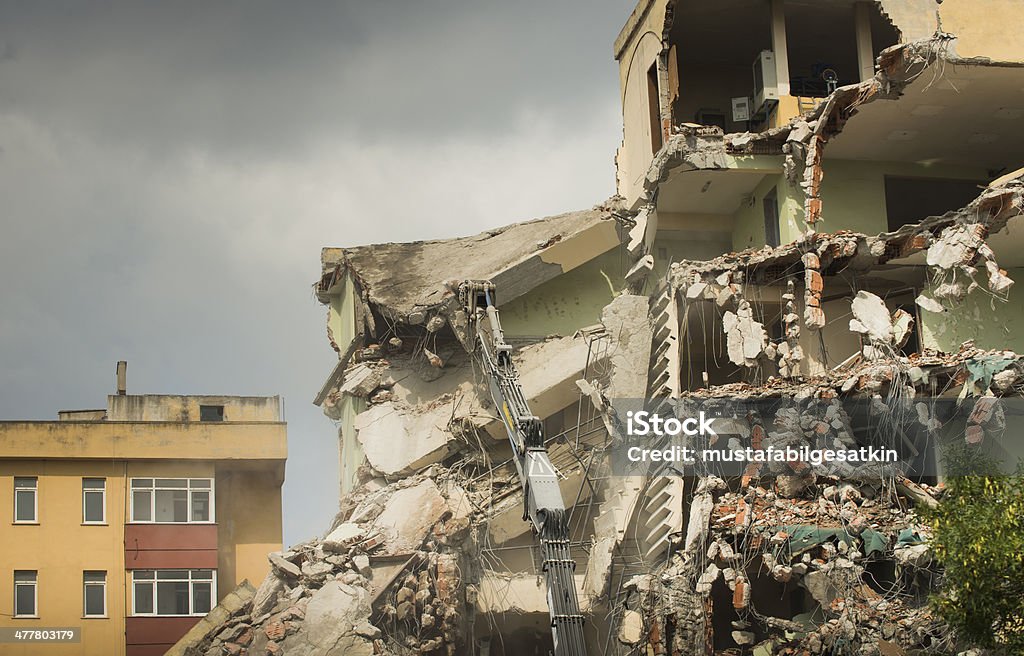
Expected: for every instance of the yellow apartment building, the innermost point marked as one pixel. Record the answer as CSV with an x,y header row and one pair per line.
x,y
122,527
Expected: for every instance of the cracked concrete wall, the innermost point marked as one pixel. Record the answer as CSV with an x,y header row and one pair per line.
x,y
567,303
991,324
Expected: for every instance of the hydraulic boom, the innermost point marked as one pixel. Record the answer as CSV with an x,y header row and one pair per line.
x,y
543,505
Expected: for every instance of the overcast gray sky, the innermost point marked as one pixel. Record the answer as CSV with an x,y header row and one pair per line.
x,y
170,170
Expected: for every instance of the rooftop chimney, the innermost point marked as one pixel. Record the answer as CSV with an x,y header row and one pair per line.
x,y
122,373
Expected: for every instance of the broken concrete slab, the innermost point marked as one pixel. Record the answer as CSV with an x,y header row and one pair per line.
x,y
871,317
361,380
517,258
342,537
267,594
631,628
396,440
640,270
333,615
408,516
502,592
283,566
746,338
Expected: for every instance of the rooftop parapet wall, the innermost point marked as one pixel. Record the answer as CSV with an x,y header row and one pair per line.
x,y
186,408
260,441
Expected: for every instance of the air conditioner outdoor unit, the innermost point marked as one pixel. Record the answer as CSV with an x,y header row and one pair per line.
x,y
766,89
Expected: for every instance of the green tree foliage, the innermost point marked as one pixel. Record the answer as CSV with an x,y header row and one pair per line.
x,y
979,540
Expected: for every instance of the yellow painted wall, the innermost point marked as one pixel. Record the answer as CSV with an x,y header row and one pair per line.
x,y
133,440
248,525
60,548
985,28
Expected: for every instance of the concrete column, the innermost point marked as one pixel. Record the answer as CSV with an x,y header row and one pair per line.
x,y
779,46
865,49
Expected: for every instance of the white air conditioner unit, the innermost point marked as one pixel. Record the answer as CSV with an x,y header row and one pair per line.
x,y
741,109
766,84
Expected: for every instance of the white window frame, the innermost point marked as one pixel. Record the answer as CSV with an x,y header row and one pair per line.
x,y
154,580
86,584
34,584
191,484
102,491
34,490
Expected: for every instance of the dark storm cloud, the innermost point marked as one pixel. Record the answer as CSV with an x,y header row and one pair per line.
x,y
261,74
170,170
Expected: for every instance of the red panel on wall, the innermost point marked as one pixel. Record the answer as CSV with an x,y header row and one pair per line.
x,y
170,536
145,634
170,546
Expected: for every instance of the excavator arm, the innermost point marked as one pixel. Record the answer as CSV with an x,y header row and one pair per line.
x,y
543,505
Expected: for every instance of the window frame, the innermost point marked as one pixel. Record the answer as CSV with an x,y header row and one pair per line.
x,y
102,491
34,490
154,582
772,218
189,489
86,584
216,409
34,584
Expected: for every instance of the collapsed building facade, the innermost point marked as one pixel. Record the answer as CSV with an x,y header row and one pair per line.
x,y
837,229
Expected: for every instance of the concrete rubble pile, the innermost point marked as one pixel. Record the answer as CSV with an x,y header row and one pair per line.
x,y
386,579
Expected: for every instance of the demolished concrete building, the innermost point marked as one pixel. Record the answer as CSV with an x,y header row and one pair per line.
x,y
839,227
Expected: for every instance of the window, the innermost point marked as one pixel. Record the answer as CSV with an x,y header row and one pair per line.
x,y
24,593
771,219
173,591
25,506
94,594
172,500
654,107
211,413
94,496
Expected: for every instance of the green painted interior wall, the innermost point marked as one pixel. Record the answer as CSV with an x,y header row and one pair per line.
x,y
748,221
853,192
350,453
852,196
342,321
568,302
342,312
991,323
669,248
